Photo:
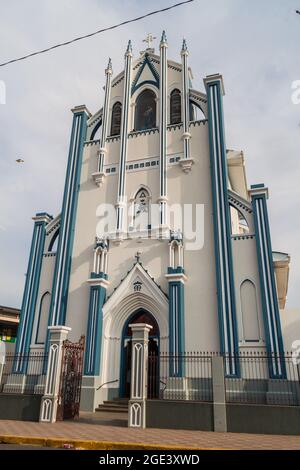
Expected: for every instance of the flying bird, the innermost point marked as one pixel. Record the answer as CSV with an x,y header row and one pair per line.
x,y
19,160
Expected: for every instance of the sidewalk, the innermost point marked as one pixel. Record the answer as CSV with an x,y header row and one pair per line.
x,y
116,437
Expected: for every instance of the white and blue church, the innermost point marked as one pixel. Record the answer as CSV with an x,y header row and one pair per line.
x,y
158,142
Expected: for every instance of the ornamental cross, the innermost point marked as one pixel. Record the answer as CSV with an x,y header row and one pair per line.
x,y
138,256
149,39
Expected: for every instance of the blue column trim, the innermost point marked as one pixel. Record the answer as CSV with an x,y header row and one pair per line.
x,y
271,316
92,358
222,232
30,294
176,327
68,217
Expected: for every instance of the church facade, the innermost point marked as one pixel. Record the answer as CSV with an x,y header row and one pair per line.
x,y
157,226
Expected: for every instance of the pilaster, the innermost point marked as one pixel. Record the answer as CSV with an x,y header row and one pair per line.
x,y
222,229
57,335
139,375
65,244
31,289
271,316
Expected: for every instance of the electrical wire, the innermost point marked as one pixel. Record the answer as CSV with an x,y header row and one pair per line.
x,y
79,38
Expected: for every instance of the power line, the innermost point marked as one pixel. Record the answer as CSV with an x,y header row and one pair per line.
x,y
79,38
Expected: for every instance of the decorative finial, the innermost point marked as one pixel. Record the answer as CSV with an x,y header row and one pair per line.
x,y
129,47
138,256
149,39
184,46
109,66
163,37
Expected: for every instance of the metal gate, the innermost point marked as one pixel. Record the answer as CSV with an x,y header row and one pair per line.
x,y
70,380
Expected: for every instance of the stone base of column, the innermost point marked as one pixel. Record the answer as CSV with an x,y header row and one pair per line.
x,y
137,414
48,409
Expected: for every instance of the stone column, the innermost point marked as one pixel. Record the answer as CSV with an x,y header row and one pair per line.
x,y
120,206
92,358
176,279
100,175
62,269
222,225
139,375
219,394
57,335
187,162
163,115
31,291
271,316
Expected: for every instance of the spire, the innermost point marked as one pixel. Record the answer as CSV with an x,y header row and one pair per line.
x,y
129,47
184,46
109,66
163,38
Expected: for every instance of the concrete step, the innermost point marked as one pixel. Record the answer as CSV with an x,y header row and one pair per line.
x,y
116,406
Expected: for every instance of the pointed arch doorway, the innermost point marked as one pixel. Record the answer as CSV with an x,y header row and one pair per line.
x,y
140,316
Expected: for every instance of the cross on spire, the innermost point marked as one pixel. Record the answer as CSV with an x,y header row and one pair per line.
x,y
149,39
138,256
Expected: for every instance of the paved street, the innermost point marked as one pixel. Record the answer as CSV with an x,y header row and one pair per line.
x,y
93,429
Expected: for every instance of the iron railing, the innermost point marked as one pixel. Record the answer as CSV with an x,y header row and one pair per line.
x,y
23,373
180,377
255,384
188,376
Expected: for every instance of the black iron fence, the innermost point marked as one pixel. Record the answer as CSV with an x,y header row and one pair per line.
x,y
255,384
23,373
188,376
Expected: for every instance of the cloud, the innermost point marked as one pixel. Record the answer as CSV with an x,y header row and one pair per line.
x,y
253,44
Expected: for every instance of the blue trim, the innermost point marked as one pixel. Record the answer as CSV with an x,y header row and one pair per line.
x,y
178,270
30,294
99,275
123,358
67,225
225,290
265,258
176,327
92,358
154,72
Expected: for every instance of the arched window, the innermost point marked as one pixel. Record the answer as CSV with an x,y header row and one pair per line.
x,y
175,107
54,242
116,119
100,260
141,212
42,323
176,255
145,111
251,331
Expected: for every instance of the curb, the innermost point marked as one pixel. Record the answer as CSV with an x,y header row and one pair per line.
x,y
91,445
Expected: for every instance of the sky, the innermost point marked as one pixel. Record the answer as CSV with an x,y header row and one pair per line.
x,y
254,45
